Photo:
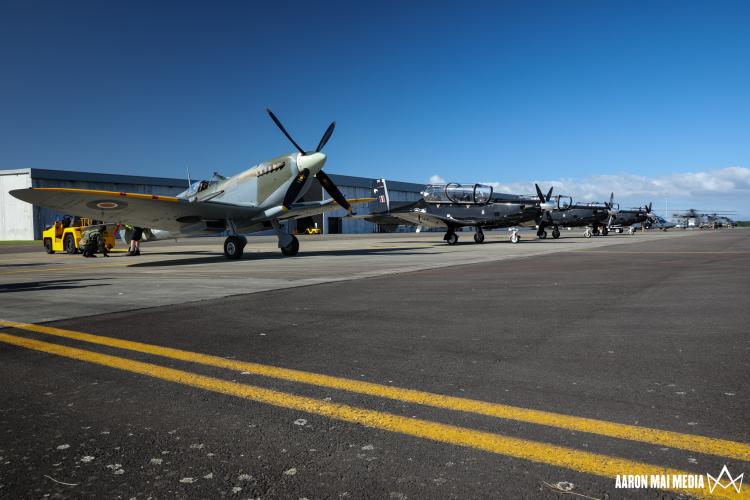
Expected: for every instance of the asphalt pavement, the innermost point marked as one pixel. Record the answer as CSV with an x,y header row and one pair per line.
x,y
535,377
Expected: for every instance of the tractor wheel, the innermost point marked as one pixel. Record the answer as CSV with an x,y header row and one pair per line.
x,y
69,244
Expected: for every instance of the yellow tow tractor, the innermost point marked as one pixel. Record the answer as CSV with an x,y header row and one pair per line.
x,y
66,234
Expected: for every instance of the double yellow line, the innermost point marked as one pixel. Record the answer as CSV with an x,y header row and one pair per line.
x,y
592,463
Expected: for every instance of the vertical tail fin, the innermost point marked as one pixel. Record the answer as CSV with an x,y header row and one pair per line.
x,y
381,193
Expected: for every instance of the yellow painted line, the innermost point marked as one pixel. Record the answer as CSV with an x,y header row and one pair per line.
x,y
558,456
699,444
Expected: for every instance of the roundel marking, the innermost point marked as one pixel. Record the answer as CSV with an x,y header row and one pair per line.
x,y
107,204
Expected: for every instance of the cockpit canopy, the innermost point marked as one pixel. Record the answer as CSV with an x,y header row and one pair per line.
x,y
195,188
198,186
563,202
475,194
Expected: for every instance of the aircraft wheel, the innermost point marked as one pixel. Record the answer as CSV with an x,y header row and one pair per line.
x,y
555,233
233,247
292,248
619,231
542,235
479,237
605,231
69,243
631,231
587,233
48,246
451,238
515,238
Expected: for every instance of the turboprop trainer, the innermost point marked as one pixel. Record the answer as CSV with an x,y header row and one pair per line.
x,y
453,206
254,200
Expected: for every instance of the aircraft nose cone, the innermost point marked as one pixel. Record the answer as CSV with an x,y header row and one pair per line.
x,y
547,206
313,162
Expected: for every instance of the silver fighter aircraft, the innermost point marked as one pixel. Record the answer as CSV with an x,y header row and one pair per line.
x,y
254,200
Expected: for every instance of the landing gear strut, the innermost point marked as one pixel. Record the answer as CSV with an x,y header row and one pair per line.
x,y
479,235
289,244
451,237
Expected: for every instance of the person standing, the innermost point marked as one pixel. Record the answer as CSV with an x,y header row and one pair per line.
x,y
135,242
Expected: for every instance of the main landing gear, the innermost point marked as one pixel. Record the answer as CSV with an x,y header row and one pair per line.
x,y
451,237
234,246
479,236
542,233
288,243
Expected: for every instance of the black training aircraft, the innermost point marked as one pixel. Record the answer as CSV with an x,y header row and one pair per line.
x,y
594,216
630,218
453,206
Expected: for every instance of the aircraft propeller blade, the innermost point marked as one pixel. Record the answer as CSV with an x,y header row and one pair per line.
x,y
544,203
293,192
540,194
611,207
549,193
332,190
326,136
281,127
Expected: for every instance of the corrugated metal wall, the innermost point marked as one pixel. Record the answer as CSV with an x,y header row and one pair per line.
x,y
16,216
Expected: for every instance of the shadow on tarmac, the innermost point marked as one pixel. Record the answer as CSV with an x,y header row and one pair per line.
x,y
219,257
47,285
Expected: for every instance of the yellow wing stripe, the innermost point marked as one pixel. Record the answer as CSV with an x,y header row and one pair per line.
x,y
111,193
357,200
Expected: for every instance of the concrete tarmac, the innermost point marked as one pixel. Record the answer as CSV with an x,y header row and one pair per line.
x,y
188,270
388,366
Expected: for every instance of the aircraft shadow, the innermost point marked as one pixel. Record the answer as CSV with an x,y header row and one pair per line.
x,y
24,265
34,286
252,256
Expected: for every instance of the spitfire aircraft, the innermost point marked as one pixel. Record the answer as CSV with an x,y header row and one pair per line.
x,y
453,206
257,199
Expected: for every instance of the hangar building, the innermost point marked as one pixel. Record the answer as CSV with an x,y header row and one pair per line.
x,y
21,221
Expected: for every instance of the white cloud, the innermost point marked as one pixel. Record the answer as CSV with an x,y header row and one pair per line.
x,y
436,179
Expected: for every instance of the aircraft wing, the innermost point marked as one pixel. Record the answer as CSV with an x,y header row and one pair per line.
x,y
417,219
310,208
146,210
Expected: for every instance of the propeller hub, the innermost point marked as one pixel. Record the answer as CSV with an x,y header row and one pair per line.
x,y
547,206
313,162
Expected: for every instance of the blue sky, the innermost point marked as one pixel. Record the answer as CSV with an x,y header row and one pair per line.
x,y
506,92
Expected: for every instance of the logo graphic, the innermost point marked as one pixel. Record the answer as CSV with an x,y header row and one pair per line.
x,y
714,481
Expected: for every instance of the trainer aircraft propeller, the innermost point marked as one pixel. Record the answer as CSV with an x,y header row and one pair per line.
x,y
258,199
